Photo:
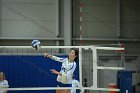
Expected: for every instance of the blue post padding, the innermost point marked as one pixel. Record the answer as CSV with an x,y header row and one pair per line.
x,y
124,81
31,71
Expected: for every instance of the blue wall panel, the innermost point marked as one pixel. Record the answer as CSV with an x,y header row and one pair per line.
x,y
124,80
30,71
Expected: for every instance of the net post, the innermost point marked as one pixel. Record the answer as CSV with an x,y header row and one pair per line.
x,y
80,66
94,51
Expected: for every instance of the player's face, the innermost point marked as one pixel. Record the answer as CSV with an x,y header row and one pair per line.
x,y
1,76
72,55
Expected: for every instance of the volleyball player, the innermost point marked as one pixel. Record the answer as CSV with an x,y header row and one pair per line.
x,y
3,83
64,77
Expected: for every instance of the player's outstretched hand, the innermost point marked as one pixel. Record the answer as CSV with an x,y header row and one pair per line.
x,y
55,72
47,55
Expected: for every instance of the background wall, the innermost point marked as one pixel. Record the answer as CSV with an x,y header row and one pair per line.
x,y
29,18
104,22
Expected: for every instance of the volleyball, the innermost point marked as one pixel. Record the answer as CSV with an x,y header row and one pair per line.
x,y
36,44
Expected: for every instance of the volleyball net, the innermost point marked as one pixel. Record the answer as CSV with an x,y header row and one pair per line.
x,y
26,69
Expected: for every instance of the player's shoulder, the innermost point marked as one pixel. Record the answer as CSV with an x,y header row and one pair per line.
x,y
75,63
75,81
63,58
5,81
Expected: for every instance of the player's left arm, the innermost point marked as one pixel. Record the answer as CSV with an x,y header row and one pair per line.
x,y
56,72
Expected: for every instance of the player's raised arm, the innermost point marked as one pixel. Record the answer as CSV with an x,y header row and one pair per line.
x,y
54,57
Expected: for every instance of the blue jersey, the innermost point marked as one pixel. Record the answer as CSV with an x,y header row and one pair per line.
x,y
67,70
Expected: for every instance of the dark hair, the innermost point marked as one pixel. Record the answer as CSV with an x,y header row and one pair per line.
x,y
76,54
72,76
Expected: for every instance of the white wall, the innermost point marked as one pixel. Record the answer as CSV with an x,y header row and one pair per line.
x,y
28,19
